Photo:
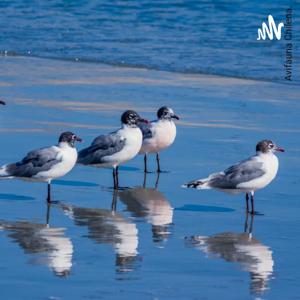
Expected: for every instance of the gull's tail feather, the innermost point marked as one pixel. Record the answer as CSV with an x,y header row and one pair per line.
x,y
4,172
202,184
196,240
84,157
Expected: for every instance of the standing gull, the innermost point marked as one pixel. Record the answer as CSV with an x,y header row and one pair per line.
x,y
158,135
247,176
115,148
45,164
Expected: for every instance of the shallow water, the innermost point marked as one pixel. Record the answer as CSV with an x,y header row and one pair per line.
x,y
206,37
142,242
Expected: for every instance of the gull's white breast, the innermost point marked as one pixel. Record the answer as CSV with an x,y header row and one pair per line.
x,y
270,166
133,141
164,133
68,156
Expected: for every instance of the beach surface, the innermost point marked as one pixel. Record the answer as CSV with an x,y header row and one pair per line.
x,y
164,243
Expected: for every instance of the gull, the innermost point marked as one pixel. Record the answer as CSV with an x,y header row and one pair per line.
x,y
246,176
45,164
158,134
115,148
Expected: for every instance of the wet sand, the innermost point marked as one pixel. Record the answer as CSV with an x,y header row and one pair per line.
x,y
160,244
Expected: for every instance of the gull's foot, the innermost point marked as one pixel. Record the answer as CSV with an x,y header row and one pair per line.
x,y
123,188
161,171
255,213
111,189
53,202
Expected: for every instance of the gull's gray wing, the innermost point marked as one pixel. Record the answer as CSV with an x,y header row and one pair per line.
x,y
146,129
34,162
103,145
244,171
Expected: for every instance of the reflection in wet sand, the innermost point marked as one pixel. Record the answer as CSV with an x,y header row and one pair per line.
x,y
109,227
219,125
152,205
23,130
242,248
72,125
49,245
73,105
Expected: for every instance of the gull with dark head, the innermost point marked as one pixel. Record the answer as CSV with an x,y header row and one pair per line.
x,y
45,164
115,148
246,176
158,134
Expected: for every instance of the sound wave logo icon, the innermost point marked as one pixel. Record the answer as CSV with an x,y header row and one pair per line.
x,y
268,30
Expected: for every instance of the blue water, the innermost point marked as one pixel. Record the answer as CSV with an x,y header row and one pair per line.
x,y
210,37
146,242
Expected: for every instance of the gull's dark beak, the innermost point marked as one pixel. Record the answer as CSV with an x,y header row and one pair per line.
x,y
279,149
78,139
2,102
143,120
175,117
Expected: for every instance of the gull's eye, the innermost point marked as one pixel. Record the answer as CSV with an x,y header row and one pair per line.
x,y
73,137
271,146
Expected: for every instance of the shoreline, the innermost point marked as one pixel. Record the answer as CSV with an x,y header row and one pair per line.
x,y
4,55
55,88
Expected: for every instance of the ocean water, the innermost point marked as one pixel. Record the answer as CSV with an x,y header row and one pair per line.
x,y
207,37
77,65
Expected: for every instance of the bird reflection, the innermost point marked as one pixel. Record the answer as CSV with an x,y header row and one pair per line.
x,y
150,204
48,244
109,227
242,248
